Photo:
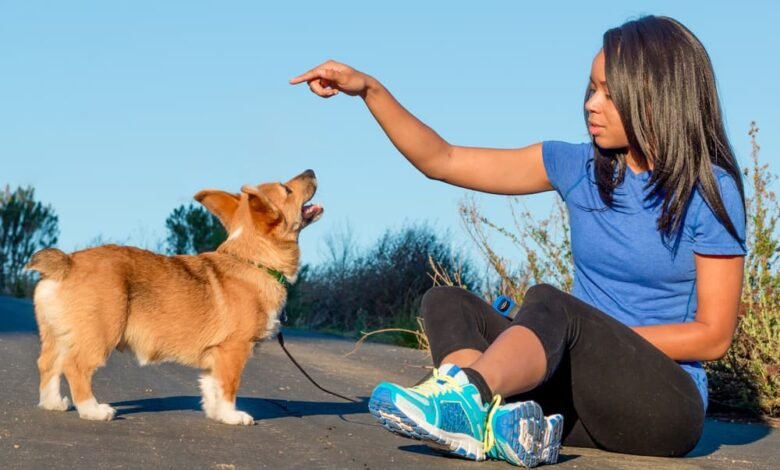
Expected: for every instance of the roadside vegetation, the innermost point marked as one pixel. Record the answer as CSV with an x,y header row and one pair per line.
x,y
748,377
376,289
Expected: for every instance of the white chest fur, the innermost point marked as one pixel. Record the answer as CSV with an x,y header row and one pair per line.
x,y
272,324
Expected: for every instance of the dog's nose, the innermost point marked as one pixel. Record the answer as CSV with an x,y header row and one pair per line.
x,y
309,173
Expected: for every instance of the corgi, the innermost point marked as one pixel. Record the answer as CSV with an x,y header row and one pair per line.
x,y
205,311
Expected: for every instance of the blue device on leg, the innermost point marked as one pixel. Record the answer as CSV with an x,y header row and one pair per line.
x,y
506,306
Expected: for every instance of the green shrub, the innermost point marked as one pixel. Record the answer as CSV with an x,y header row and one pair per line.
x,y
356,292
748,377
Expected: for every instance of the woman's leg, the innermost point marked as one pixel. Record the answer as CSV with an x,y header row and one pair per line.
x,y
454,408
607,381
617,391
459,325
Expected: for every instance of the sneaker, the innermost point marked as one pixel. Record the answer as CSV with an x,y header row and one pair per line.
x,y
551,439
446,410
514,433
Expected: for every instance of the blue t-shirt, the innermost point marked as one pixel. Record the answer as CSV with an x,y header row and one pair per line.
x,y
622,264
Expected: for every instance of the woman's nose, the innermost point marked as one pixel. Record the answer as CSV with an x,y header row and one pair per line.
x,y
591,105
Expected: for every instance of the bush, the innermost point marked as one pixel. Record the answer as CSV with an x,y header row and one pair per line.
x,y
748,377
356,292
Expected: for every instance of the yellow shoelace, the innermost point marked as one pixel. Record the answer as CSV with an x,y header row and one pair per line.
x,y
431,386
490,438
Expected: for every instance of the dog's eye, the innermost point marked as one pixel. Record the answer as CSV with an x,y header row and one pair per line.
x,y
286,189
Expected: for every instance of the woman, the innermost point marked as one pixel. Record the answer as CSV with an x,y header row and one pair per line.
x,y
656,210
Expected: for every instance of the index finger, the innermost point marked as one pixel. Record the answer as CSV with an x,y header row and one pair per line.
x,y
306,77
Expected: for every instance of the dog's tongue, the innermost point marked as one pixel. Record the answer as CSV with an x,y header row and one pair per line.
x,y
311,210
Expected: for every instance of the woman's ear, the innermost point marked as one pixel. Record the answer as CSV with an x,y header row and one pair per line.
x,y
220,203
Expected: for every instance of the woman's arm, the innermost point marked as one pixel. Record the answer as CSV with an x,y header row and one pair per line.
x,y
501,171
708,337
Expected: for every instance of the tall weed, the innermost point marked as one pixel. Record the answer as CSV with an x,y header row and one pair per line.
x,y
748,377
543,246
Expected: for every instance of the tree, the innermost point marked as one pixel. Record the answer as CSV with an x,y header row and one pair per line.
x,y
26,226
192,230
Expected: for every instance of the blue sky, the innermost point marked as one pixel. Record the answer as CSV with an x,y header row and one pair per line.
x,y
118,112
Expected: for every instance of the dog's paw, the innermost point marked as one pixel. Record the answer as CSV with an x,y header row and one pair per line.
x,y
55,404
236,417
96,411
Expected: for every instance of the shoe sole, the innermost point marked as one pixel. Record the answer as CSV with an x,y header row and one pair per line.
x,y
522,432
551,440
395,420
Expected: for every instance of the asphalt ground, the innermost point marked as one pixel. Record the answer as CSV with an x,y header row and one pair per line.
x,y
160,425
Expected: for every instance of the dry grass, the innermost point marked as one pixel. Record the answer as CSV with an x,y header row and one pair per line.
x,y
544,245
748,377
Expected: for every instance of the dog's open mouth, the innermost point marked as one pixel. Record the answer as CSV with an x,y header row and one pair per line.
x,y
311,212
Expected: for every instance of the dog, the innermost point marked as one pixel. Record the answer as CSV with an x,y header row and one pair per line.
x,y
205,311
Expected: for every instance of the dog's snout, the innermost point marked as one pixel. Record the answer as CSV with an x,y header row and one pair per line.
x,y
309,174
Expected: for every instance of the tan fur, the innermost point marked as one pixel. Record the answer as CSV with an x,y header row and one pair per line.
x,y
203,311
51,261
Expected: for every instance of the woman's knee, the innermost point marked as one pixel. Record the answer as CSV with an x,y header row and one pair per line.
x,y
444,303
541,292
438,296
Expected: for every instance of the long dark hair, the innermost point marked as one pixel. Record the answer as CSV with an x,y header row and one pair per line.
x,y
663,86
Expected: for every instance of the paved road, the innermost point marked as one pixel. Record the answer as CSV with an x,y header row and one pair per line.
x,y
160,424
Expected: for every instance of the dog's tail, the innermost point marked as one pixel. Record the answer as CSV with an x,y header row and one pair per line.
x,y
51,263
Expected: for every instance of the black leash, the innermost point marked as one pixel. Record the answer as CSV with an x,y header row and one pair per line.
x,y
281,343
283,319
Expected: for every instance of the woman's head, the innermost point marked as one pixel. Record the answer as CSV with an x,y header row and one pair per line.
x,y
604,122
662,87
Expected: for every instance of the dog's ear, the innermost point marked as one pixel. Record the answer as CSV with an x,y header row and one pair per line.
x,y
220,203
260,204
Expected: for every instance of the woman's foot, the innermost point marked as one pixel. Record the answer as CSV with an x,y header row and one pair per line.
x,y
446,410
514,433
551,439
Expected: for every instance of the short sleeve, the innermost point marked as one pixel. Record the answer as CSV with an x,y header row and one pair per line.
x,y
710,234
565,164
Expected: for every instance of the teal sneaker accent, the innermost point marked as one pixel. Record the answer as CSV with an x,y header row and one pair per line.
x,y
446,410
515,433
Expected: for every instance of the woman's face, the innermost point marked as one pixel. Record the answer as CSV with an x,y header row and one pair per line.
x,y
604,122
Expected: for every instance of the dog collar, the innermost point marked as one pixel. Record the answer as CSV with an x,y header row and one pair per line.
x,y
273,272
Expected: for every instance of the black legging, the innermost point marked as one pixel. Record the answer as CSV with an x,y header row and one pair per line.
x,y
616,391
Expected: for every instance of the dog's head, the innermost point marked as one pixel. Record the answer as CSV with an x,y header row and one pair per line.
x,y
271,210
